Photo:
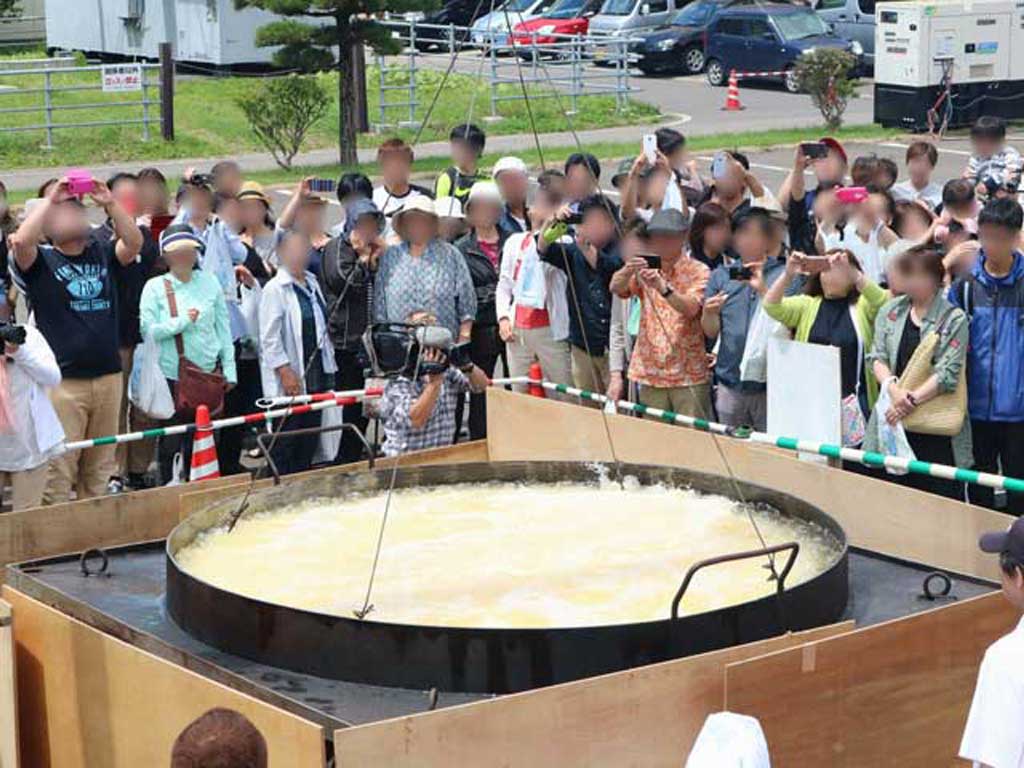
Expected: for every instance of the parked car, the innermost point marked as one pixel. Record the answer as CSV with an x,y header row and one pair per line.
x,y
629,17
493,27
678,46
433,32
768,37
566,18
852,19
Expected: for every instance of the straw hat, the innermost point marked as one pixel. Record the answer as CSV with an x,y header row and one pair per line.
x,y
180,237
252,190
418,204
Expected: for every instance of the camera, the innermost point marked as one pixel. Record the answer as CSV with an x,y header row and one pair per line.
x,y
200,180
396,349
740,272
12,334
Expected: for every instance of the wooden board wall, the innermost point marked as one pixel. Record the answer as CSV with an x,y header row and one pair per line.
x,y
894,694
88,700
641,717
8,691
876,514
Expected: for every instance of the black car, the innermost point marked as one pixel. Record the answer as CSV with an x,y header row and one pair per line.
x,y
679,46
460,13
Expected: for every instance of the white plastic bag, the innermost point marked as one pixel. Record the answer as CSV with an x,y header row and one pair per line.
x,y
176,466
754,363
147,387
730,740
330,442
892,439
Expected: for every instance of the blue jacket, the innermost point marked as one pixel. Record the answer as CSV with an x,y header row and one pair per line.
x,y
995,355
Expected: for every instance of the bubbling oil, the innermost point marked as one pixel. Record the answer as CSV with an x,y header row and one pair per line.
x,y
506,555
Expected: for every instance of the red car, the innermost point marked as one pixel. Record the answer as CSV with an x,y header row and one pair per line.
x,y
566,18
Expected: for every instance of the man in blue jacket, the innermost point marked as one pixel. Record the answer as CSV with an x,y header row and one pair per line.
x,y
992,295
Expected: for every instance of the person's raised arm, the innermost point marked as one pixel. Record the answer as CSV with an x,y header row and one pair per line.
x,y
127,232
631,188
24,243
623,279
794,187
777,290
291,210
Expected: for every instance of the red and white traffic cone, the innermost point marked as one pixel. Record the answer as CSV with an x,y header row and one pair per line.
x,y
204,464
732,94
536,375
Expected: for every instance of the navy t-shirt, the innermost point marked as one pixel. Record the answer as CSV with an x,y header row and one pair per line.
x,y
75,304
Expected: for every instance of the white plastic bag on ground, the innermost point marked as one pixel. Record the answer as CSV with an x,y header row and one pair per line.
x,y
728,740
147,387
892,439
176,467
754,363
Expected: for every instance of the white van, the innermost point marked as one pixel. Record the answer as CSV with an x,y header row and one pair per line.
x,y
853,20
632,17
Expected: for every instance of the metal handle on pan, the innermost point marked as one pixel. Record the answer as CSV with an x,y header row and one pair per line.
x,y
792,546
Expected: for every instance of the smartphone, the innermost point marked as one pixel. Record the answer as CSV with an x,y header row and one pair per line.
x,y
80,182
158,224
719,166
851,195
740,272
653,260
815,150
651,148
323,185
814,265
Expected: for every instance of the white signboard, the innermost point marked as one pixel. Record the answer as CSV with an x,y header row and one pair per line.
x,y
118,78
803,391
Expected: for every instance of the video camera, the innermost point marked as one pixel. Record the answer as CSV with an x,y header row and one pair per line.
x,y
395,349
12,334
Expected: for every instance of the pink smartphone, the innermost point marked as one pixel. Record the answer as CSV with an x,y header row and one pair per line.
x,y
851,195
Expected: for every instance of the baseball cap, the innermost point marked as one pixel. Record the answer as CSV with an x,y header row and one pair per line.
x,y
508,163
625,166
668,221
448,208
834,144
1010,541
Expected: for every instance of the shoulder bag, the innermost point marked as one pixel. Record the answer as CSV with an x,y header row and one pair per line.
x,y
945,413
195,386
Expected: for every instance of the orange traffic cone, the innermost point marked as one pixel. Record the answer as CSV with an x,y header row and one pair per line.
x,y
534,388
204,452
732,94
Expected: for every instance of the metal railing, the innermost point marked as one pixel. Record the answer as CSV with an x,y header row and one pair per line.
x,y
53,84
547,66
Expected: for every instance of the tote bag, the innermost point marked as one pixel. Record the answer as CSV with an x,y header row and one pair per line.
x,y
944,414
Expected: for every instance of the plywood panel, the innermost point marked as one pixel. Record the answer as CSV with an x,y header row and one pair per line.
x,y
89,700
876,514
894,694
642,717
8,698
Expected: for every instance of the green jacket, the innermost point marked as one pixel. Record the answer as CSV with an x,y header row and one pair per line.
x,y
800,312
950,356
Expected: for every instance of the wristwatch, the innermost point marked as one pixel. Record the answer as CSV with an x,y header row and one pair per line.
x,y
912,399
669,290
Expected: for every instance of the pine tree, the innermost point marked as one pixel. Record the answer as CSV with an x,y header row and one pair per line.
x,y
321,35
9,8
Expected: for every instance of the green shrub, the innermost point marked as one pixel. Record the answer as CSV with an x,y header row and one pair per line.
x,y
282,110
824,74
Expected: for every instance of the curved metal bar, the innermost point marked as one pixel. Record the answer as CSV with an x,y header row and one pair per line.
x,y
792,546
83,562
947,585
264,438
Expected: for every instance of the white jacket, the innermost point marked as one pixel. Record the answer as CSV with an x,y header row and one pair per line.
x,y
38,435
509,279
280,324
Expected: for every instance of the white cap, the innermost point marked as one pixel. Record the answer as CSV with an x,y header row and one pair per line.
x,y
485,191
448,208
509,163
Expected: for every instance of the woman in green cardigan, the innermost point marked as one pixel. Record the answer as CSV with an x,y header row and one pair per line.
x,y
837,308
901,326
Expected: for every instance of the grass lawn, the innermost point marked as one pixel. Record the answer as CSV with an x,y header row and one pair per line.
x,y
209,122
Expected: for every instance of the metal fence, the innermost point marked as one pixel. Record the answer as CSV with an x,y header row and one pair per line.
x,y
143,88
546,66
18,31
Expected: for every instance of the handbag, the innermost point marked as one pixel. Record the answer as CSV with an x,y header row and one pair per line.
x,y
944,414
852,422
195,386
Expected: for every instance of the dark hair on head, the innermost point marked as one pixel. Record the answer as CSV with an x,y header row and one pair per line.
x,y
707,216
117,178
906,209
923,149
1009,564
813,285
864,170
1002,212
394,147
595,202
45,187
753,215
957,192
885,194
470,134
354,184
224,166
669,140
152,174
584,159
222,738
989,127
740,158
635,226
889,168
922,258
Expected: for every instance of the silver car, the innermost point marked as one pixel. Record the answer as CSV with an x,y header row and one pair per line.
x,y
852,19
632,17
492,28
